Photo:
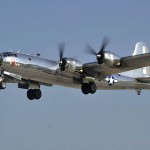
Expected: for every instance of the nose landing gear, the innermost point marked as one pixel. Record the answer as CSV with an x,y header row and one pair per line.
x,y
2,85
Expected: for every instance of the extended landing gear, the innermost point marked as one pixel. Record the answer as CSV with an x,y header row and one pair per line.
x,y
2,85
87,88
34,94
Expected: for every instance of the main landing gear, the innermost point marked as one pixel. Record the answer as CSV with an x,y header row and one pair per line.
x,y
87,88
34,94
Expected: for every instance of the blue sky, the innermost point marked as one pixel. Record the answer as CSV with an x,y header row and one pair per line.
x,y
64,118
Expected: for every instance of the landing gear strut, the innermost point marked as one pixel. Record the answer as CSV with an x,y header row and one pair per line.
x,y
34,94
87,88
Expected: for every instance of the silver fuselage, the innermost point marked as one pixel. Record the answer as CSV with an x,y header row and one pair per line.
x,y
47,72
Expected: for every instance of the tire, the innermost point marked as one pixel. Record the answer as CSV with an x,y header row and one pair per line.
x,y
85,88
30,94
37,94
92,87
2,85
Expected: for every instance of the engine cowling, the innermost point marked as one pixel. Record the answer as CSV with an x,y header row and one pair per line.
x,y
69,65
110,59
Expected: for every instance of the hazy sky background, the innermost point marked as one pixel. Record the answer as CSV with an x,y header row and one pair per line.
x,y
65,119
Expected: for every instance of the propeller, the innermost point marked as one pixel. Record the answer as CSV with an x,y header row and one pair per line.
x,y
100,54
62,60
61,48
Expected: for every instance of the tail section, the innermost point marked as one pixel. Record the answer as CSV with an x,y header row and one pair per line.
x,y
141,48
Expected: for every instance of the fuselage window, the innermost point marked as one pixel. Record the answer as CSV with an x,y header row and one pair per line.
x,y
9,54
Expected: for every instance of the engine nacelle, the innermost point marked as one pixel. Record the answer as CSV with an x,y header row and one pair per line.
x,y
111,59
70,65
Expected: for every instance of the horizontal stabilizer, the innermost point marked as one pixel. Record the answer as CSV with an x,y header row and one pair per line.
x,y
144,79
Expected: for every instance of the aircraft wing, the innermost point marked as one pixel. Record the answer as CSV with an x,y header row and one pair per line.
x,y
12,75
127,63
15,78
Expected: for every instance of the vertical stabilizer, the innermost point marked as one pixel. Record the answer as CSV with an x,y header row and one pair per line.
x,y
141,48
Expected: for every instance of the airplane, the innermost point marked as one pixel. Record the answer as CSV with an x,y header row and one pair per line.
x,y
108,72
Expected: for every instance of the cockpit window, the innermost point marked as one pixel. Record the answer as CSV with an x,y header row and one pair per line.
x,y
4,55
9,54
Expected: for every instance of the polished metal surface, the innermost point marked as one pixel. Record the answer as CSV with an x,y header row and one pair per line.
x,y
35,71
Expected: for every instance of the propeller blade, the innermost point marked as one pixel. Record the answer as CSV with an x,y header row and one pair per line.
x,y
61,48
90,50
104,44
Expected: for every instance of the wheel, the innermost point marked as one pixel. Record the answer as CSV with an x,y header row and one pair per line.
x,y
92,87
85,88
37,94
34,94
2,85
30,94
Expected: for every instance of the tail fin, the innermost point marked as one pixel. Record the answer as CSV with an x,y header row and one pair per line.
x,y
141,48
